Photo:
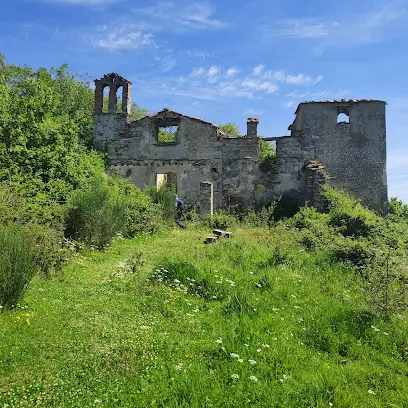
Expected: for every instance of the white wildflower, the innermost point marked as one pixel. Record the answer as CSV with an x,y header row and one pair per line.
x,y
179,366
253,362
235,376
219,341
240,360
371,392
259,350
253,378
234,355
266,345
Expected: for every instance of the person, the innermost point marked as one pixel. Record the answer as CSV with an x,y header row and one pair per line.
x,y
178,202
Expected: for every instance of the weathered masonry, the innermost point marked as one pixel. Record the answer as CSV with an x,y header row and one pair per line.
x,y
347,136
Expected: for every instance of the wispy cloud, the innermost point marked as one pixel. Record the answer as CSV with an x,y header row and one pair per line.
x,y
356,30
221,83
83,2
168,15
122,37
281,76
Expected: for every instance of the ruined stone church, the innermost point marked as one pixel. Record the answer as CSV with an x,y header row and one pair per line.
x,y
346,137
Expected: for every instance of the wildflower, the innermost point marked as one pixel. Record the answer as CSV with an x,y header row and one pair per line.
x,y
176,281
253,362
145,327
258,351
375,328
284,378
371,392
253,378
234,355
240,360
219,341
179,366
235,376
266,345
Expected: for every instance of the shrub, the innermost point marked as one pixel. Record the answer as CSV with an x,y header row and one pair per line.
x,y
97,212
349,216
386,284
164,198
18,263
220,220
141,215
358,252
262,218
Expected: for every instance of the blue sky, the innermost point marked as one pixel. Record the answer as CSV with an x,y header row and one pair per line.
x,y
229,60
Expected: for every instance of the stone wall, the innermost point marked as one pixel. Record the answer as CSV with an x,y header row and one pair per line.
x,y
354,153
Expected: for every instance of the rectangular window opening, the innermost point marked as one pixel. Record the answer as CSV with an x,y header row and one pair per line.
x,y
167,134
166,180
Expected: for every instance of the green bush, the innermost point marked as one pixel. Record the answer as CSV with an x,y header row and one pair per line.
x,y
18,263
220,220
97,213
262,218
164,197
141,214
358,252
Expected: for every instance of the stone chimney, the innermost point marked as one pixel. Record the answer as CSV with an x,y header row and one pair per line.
x,y
252,127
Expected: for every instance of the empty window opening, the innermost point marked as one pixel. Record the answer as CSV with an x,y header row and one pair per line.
x,y
105,99
166,180
214,169
119,96
167,134
343,116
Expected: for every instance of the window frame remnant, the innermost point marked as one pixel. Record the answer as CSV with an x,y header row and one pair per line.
x,y
343,113
172,124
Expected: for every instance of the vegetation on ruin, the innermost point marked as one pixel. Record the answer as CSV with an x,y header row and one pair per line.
x,y
105,303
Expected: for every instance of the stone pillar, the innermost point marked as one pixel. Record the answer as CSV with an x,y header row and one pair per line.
x,y
252,127
98,103
126,96
113,99
206,199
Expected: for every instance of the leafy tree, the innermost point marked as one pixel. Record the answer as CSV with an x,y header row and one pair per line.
x,y
230,129
267,156
45,128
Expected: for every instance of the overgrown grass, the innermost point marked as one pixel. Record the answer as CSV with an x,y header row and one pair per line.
x,y
288,328
18,256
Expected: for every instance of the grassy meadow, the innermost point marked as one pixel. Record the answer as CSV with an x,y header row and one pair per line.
x,y
163,320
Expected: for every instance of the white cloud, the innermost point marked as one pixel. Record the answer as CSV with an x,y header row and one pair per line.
x,y
258,69
232,72
355,30
84,2
167,15
123,37
300,79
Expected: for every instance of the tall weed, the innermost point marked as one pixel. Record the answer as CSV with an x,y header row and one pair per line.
x,y
97,212
18,263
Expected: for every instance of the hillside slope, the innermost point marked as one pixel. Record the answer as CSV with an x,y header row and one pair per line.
x,y
250,321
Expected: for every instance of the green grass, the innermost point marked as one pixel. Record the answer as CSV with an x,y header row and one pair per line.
x,y
111,331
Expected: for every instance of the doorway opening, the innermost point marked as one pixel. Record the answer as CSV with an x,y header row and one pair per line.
x,y
166,180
